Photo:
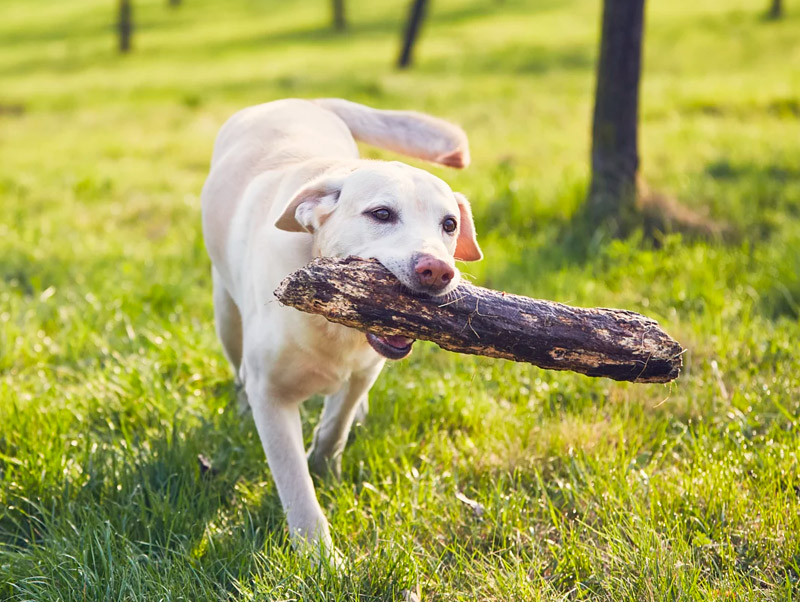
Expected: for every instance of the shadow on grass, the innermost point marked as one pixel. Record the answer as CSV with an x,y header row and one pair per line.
x,y
751,201
150,485
727,170
522,59
391,25
758,196
143,503
534,59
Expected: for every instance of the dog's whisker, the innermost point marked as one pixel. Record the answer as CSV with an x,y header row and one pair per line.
x,y
453,301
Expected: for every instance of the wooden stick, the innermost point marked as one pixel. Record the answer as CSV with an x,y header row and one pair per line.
x,y
362,294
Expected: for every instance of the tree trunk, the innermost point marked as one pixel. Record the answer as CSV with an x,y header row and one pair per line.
x,y
776,9
363,294
415,19
125,25
339,19
174,3
615,154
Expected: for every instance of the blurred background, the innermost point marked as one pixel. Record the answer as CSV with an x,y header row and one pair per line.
x,y
649,161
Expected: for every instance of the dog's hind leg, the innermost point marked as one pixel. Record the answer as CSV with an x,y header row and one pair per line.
x,y
229,330
330,436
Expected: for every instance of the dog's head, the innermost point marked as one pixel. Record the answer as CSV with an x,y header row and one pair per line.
x,y
406,218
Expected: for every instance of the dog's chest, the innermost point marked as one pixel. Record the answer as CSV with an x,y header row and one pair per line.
x,y
340,351
324,359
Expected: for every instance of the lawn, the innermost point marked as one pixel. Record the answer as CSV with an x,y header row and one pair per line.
x,y
112,382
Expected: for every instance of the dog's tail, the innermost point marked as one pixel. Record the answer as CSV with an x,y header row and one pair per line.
x,y
407,132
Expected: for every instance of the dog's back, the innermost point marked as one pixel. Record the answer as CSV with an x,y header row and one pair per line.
x,y
290,130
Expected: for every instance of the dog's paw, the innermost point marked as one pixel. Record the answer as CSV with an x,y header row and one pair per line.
x,y
323,467
330,558
319,551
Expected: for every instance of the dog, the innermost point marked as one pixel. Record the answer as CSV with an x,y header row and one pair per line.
x,y
286,185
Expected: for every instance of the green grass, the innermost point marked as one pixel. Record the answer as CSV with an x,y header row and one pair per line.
x,y
112,380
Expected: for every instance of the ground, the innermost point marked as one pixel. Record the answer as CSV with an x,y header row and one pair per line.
x,y
112,382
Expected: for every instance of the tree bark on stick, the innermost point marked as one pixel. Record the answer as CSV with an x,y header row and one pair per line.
x,y
615,151
415,19
125,25
362,294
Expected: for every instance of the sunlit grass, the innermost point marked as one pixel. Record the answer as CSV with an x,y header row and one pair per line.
x,y
112,381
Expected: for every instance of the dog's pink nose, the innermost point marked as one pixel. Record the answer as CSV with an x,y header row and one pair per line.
x,y
432,273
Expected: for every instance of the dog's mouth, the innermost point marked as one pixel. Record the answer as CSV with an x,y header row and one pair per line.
x,y
391,347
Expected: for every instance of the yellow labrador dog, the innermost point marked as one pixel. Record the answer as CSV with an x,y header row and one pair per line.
x,y
286,185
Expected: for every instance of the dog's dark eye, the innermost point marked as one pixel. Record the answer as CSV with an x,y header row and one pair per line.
x,y
382,214
449,225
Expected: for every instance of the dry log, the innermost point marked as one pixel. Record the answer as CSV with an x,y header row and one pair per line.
x,y
362,294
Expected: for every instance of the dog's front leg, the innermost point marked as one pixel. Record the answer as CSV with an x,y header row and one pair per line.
x,y
340,409
278,422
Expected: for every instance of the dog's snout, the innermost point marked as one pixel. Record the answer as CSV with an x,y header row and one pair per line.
x,y
432,273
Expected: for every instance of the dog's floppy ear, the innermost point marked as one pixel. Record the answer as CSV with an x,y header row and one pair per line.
x,y
467,248
309,208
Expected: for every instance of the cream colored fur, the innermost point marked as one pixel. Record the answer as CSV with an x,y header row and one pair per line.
x,y
286,185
